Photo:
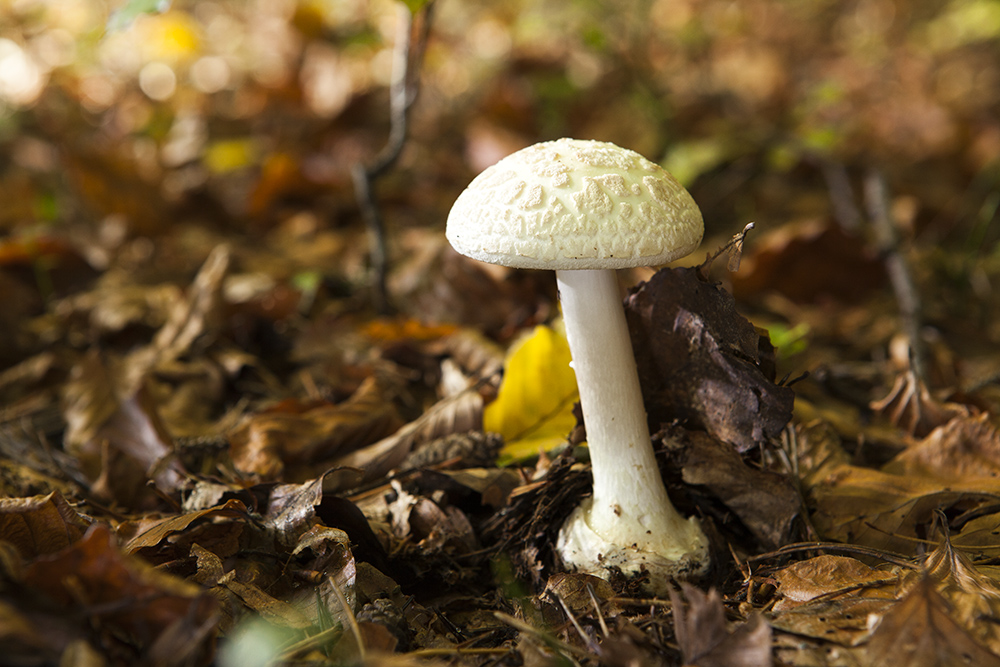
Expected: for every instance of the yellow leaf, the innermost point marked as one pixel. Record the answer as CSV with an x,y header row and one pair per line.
x,y
228,155
172,37
534,407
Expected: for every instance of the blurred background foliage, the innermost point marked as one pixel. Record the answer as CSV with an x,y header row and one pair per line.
x,y
129,119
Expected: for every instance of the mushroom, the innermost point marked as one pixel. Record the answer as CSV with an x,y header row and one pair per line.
x,y
584,209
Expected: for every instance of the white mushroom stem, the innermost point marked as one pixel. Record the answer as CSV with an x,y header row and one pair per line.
x,y
630,522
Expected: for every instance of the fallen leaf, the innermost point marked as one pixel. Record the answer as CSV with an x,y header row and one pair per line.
x,y
703,363
765,502
124,595
448,423
118,437
153,534
873,508
807,262
580,593
829,576
705,639
964,448
266,442
845,621
40,525
889,512
973,597
533,410
920,631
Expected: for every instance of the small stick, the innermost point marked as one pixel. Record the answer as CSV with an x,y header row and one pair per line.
x,y
597,609
403,93
877,199
845,212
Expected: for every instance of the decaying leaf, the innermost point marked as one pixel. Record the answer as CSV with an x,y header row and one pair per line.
x,y
266,442
872,508
534,408
118,437
964,448
40,525
702,363
766,503
973,597
829,576
890,511
705,638
832,598
921,631
582,594
129,597
447,427
159,530
807,262
845,621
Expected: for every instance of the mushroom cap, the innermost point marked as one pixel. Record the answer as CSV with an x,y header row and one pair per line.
x,y
575,204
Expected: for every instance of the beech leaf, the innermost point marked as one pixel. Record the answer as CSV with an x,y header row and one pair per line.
x,y
534,407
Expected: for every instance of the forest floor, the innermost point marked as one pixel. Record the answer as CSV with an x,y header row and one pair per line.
x,y
255,410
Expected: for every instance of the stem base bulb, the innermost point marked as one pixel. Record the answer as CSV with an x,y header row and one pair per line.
x,y
684,556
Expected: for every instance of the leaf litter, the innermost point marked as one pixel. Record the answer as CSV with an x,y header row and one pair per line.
x,y
213,448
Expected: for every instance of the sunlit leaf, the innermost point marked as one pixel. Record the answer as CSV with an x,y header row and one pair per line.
x,y
689,160
534,408
228,155
122,17
415,5
170,37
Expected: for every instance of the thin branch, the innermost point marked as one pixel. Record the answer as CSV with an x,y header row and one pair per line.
x,y
403,92
845,211
910,310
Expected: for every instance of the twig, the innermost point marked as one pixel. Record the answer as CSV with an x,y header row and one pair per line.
x,y
576,624
560,647
735,249
845,212
877,199
788,549
597,610
403,93
352,620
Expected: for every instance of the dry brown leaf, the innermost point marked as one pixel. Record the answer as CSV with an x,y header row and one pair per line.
x,y
267,442
980,536
829,576
705,640
198,313
844,621
159,530
973,597
965,448
118,438
460,413
116,302
436,283
920,631
580,592
135,599
40,525
292,510
767,504
875,509
269,608
807,262
702,362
